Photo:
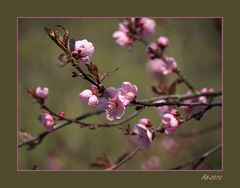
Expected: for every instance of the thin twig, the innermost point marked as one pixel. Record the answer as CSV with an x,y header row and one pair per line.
x,y
174,103
177,72
124,160
181,97
38,139
199,160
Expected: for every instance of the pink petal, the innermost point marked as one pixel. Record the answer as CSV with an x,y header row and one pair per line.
x,y
93,101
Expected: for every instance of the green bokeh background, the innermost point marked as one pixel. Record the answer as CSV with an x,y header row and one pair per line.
x,y
194,43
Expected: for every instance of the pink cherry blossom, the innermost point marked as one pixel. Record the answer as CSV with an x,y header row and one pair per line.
x,y
83,50
47,120
170,123
144,135
113,106
163,41
42,92
122,39
169,119
169,66
148,26
127,92
89,98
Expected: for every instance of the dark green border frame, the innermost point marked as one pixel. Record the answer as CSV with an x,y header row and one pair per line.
x,y
11,10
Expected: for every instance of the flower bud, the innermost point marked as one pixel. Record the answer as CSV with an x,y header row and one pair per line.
x,y
41,92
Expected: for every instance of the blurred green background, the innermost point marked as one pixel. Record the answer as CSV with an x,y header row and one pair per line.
x,y
194,43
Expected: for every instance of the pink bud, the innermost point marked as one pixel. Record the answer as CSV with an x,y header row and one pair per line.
x,y
61,114
42,92
148,26
94,89
145,122
163,41
93,101
47,121
86,94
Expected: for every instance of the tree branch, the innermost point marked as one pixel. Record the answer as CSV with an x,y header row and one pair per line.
x,y
38,139
124,160
199,160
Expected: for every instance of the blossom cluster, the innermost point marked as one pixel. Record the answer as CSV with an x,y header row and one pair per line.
x,y
159,64
113,100
130,29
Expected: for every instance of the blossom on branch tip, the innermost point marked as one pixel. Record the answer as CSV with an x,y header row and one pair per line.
x,y
163,42
127,92
47,120
83,50
144,135
42,93
147,26
132,29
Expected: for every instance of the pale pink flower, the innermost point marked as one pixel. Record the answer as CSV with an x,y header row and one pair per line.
x,y
144,135
113,106
148,26
47,120
42,92
89,98
163,42
83,50
169,119
170,123
127,92
122,39
169,66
